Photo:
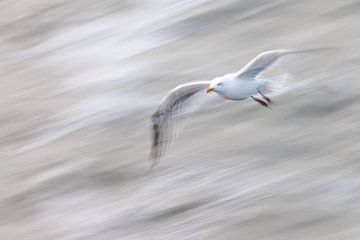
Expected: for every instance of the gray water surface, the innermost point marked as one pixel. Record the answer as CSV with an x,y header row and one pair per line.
x,y
80,80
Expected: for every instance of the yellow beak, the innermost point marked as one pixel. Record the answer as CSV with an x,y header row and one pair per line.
x,y
210,89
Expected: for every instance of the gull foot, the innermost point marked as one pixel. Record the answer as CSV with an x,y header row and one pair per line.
x,y
268,100
262,102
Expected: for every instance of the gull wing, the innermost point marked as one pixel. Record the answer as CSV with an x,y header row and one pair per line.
x,y
166,115
262,61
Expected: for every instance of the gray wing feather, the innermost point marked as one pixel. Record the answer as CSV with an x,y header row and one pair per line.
x,y
166,115
262,61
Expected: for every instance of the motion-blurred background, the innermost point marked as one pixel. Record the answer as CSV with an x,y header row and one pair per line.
x,y
80,80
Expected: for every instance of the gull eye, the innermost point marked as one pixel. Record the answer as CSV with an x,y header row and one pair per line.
x,y
219,84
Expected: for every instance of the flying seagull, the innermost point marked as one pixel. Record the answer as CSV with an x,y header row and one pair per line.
x,y
234,86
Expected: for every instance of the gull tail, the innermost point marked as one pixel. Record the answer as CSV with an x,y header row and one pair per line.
x,y
274,86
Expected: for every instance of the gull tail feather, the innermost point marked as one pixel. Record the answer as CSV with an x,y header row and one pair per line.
x,y
275,86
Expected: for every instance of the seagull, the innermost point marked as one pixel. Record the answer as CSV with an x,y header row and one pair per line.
x,y
236,86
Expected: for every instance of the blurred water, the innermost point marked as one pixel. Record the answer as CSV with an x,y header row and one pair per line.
x,y
81,79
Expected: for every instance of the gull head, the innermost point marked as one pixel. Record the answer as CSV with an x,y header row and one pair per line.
x,y
216,85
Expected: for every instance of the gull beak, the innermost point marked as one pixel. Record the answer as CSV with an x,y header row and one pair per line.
x,y
210,89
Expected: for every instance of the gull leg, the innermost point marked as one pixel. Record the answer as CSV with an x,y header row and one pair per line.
x,y
268,100
262,102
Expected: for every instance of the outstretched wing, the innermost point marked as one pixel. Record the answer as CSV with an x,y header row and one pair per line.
x,y
262,61
167,113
